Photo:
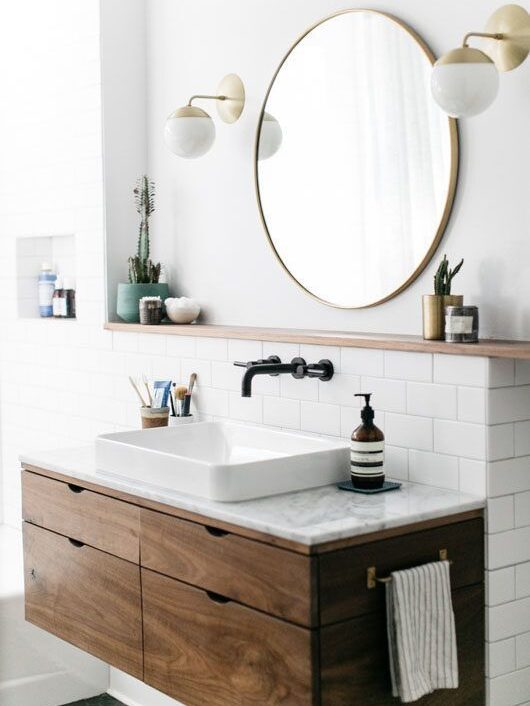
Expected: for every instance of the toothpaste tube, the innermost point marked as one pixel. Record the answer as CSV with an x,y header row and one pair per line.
x,y
161,390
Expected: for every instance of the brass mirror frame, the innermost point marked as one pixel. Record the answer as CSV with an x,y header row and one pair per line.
x,y
453,175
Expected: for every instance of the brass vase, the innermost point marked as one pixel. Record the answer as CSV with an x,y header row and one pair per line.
x,y
434,314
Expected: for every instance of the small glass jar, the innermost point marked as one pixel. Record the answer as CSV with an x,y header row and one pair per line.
x,y
150,310
461,324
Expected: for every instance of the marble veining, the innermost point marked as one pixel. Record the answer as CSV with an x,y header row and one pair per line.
x,y
309,517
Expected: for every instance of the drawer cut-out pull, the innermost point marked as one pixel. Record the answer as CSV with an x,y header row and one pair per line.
x,y
372,579
75,488
217,597
76,543
215,531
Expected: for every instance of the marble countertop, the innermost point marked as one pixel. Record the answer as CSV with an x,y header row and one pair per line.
x,y
308,517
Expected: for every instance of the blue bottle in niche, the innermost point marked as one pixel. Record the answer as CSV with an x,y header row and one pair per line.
x,y
46,287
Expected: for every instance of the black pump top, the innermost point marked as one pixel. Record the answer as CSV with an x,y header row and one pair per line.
x,y
367,413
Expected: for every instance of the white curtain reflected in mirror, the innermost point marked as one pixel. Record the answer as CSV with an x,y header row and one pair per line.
x,y
359,190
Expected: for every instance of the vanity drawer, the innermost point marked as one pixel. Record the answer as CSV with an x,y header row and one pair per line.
x,y
343,590
84,596
201,649
354,658
276,581
102,522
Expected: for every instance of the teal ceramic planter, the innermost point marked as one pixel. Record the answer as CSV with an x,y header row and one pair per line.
x,y
129,295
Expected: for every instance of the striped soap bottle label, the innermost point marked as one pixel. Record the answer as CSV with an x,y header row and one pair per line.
x,y
367,458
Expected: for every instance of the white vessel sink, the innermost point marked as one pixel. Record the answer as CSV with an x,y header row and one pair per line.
x,y
223,461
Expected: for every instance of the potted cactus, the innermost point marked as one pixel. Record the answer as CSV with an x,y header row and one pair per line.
x,y
434,304
144,274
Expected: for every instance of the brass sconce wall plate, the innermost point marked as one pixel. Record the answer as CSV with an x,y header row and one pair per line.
x,y
513,23
232,106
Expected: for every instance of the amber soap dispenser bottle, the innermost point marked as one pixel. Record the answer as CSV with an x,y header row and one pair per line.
x,y
367,454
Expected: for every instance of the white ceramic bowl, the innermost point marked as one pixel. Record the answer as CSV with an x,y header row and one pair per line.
x,y
182,310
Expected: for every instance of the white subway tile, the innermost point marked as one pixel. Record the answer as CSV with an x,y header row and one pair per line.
x,y
500,586
167,369
522,509
341,390
510,689
210,401
246,409
460,370
472,404
212,348
312,354
408,366
522,580
280,412
460,439
509,476
152,344
226,376
508,619
501,657
508,404
285,351
387,395
181,346
396,462
522,438
362,361
501,372
428,400
203,368
408,431
265,384
320,418
507,548
241,350
522,372
472,477
522,647
306,389
500,514
433,469
500,441
125,342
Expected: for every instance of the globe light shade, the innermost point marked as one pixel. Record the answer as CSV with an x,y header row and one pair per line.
x,y
189,132
270,137
464,82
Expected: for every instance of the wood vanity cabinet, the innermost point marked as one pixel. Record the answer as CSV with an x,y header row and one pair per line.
x,y
212,613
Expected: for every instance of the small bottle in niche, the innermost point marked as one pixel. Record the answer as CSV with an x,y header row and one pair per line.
x,y
58,301
69,298
367,452
46,287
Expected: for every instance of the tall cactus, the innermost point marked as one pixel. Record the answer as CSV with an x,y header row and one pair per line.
x,y
141,269
444,276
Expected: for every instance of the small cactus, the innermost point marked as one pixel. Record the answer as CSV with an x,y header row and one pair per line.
x,y
141,269
444,276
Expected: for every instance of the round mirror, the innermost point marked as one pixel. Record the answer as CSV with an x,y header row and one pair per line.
x,y
356,164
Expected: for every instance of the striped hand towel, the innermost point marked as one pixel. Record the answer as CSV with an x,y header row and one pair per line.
x,y
421,631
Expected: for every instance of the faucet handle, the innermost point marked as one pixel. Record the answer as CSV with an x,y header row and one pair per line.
x,y
271,359
240,364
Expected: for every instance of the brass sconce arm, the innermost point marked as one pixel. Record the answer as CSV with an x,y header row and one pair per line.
x,y
488,35
206,97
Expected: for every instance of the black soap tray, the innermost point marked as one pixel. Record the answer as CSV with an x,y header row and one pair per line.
x,y
387,485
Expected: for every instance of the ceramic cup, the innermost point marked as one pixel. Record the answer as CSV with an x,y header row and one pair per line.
x,y
182,310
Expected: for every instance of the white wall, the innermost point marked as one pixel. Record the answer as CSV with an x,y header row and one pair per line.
x,y
207,226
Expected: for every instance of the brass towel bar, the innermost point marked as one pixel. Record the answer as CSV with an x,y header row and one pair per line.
x,y
372,579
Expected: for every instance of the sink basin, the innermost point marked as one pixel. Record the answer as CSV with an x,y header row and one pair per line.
x,y
223,461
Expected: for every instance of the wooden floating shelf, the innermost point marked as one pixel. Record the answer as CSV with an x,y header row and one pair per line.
x,y
488,348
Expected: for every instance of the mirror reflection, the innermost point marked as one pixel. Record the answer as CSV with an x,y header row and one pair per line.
x,y
356,175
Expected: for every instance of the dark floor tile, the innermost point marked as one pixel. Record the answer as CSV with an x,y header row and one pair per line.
x,y
101,700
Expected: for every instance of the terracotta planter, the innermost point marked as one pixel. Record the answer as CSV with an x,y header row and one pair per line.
x,y
434,314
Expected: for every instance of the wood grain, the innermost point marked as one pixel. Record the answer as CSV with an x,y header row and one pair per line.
x,y
84,596
91,518
274,580
251,533
222,654
354,658
343,591
490,348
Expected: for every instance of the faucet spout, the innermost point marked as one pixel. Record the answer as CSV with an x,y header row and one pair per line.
x,y
262,369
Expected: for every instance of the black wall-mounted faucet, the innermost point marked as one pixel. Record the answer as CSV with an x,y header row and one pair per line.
x,y
298,368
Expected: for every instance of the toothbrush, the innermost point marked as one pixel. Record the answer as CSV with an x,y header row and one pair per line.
x,y
135,386
180,394
148,390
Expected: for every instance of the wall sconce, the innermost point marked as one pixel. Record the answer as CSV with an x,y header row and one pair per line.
x,y
465,81
270,137
190,131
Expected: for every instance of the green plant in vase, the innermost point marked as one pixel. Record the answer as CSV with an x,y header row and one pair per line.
x,y
144,274
434,304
